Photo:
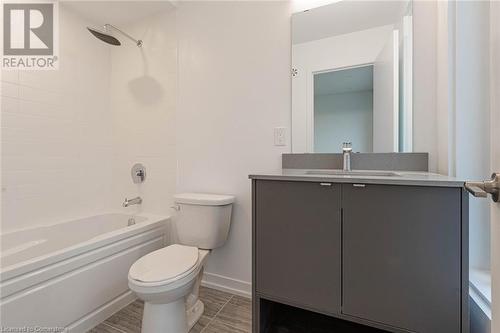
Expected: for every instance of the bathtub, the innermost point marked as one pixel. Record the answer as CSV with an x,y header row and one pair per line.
x,y
73,275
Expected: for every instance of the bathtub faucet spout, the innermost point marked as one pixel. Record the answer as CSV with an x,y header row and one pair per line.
x,y
130,202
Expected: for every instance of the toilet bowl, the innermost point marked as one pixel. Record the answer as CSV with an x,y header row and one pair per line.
x,y
168,279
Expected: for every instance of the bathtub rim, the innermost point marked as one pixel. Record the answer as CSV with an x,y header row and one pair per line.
x,y
39,262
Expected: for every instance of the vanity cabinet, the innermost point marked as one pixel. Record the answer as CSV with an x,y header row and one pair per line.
x,y
298,243
393,257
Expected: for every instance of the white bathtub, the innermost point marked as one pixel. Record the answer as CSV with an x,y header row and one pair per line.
x,y
73,274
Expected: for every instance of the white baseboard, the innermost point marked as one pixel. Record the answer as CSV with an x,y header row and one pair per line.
x,y
227,284
102,313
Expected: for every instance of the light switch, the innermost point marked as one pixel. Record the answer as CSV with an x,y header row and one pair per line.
x,y
280,136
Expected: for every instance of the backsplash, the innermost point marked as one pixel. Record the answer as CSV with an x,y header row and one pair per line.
x,y
359,161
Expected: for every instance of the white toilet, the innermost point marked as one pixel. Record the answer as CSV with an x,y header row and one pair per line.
x,y
168,279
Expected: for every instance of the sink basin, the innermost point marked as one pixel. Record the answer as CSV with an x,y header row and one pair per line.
x,y
352,173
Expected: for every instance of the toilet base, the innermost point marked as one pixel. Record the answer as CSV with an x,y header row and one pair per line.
x,y
194,314
165,318
171,317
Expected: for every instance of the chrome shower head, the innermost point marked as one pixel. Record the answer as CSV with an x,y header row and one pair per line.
x,y
106,37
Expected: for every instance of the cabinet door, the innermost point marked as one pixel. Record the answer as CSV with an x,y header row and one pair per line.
x,y
402,256
298,243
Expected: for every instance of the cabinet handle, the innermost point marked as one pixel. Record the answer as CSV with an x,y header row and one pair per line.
x,y
359,185
325,184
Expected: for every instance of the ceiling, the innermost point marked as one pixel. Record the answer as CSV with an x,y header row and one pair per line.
x,y
345,17
117,12
343,81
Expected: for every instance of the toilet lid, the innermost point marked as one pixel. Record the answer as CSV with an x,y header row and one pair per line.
x,y
169,263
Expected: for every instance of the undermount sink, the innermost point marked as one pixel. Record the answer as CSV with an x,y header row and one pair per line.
x,y
352,173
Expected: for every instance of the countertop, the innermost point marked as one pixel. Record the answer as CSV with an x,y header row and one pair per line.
x,y
401,178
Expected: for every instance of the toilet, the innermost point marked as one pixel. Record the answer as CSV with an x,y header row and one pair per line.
x,y
168,279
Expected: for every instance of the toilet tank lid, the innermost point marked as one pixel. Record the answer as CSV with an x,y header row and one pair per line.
x,y
204,199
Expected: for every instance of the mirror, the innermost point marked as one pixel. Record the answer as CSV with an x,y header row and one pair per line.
x,y
352,77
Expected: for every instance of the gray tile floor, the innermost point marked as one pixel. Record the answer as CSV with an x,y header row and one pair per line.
x,y
224,313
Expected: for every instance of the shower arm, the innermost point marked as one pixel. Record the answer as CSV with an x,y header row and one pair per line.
x,y
138,42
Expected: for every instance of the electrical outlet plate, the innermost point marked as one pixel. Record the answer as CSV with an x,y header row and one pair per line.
x,y
280,136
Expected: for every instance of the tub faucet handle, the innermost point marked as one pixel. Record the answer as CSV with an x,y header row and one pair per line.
x,y
138,173
141,174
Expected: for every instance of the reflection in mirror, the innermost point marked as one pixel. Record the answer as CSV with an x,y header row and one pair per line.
x,y
343,109
352,77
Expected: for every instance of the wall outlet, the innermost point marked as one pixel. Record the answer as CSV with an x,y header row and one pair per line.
x,y
280,136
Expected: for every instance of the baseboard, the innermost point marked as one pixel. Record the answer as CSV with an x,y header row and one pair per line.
x,y
102,313
227,284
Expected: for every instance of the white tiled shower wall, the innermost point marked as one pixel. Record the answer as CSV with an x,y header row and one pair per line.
x,y
56,138
68,140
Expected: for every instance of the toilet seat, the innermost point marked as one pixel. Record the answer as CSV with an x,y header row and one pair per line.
x,y
165,265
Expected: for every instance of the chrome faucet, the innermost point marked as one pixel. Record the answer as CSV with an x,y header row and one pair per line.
x,y
130,202
346,153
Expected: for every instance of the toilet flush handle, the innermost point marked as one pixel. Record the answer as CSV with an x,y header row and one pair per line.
x,y
176,207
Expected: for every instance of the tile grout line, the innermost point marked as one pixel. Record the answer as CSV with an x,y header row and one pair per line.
x,y
116,328
230,324
215,316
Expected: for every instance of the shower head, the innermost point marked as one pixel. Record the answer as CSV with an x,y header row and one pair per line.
x,y
108,38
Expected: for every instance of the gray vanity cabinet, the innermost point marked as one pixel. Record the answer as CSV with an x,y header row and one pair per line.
x,y
402,256
393,257
297,243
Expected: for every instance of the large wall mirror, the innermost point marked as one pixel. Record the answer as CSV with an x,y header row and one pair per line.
x,y
352,77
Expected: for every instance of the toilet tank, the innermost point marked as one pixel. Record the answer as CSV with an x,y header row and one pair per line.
x,y
203,219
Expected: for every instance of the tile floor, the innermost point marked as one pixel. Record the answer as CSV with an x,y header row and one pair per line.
x,y
224,313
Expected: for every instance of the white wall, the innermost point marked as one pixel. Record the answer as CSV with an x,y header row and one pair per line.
x,y
495,162
461,131
424,79
386,97
452,101
472,115
345,117
56,140
342,51
142,103
234,88
445,77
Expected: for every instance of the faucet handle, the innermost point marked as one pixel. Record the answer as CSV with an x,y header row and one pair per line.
x,y
141,174
138,173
